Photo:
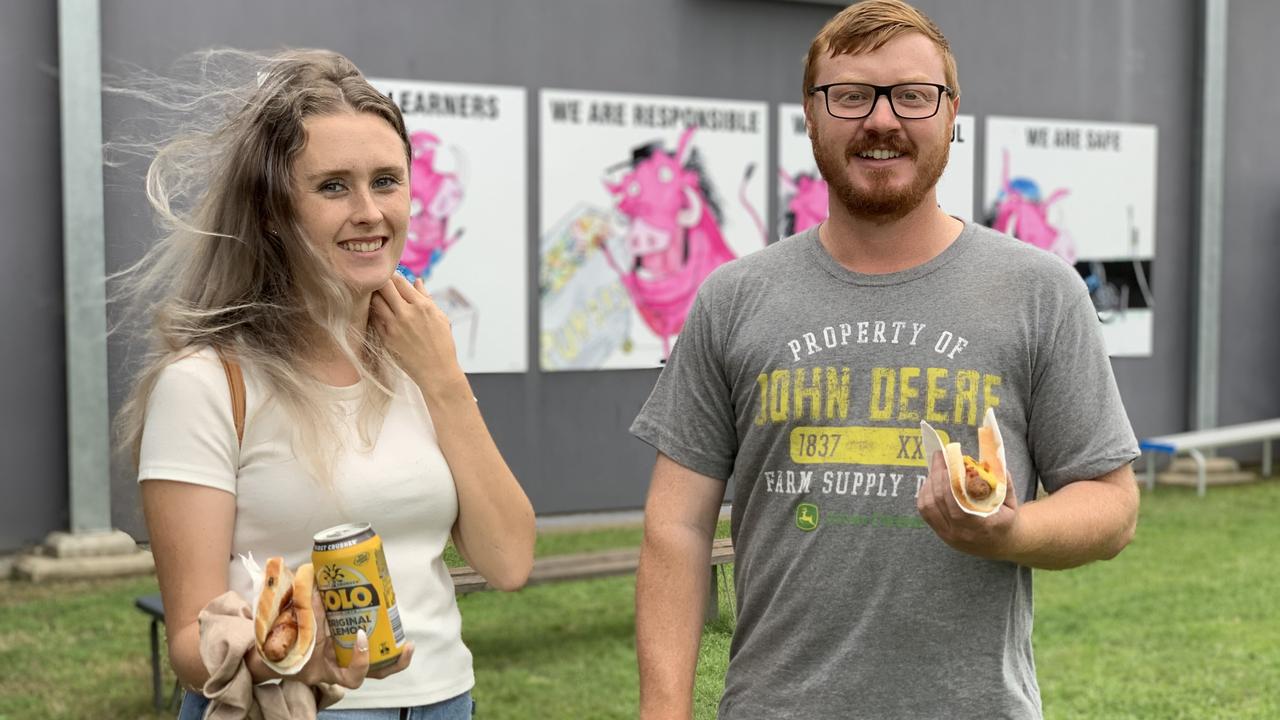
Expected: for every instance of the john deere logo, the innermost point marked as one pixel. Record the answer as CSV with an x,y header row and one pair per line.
x,y
807,516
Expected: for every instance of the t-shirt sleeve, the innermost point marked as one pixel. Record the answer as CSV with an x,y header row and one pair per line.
x,y
689,415
189,435
1078,428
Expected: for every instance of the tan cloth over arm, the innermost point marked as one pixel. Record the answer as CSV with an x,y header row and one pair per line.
x,y
226,634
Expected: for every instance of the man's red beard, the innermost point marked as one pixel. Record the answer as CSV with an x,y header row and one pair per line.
x,y
880,202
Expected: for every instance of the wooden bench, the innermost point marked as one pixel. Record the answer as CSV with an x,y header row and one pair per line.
x,y
1194,442
549,569
606,563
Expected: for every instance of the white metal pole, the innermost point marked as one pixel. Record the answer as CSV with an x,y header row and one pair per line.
x,y
84,265
1213,101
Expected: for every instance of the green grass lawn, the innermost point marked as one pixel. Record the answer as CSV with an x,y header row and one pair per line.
x,y
1184,624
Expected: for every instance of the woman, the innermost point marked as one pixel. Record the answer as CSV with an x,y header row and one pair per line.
x,y
357,408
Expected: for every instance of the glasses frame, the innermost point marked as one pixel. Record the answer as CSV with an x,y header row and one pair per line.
x,y
886,91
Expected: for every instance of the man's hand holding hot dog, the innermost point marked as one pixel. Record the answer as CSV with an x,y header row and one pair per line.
x,y
994,537
1055,532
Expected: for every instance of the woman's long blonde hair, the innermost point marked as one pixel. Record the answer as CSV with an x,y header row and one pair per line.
x,y
232,269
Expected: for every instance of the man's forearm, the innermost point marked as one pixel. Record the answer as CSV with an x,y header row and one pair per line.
x,y
1085,521
671,592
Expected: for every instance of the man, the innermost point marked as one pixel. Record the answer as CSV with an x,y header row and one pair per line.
x,y
803,372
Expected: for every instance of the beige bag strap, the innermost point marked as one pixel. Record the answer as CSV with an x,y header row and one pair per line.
x,y
235,382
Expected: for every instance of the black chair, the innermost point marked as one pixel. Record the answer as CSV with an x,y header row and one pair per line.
x,y
151,605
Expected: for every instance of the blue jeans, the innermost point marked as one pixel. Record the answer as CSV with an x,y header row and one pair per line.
x,y
461,707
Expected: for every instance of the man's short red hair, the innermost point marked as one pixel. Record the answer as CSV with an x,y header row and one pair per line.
x,y
868,25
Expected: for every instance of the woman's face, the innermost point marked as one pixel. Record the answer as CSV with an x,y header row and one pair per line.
x,y
351,195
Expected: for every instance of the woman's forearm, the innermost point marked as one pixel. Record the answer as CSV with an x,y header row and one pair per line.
x,y
495,519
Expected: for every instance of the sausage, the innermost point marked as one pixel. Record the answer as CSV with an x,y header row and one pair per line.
x,y
284,621
281,637
284,631
974,485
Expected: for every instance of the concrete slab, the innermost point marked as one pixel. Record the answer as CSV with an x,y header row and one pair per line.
x,y
1219,478
42,568
89,544
1212,465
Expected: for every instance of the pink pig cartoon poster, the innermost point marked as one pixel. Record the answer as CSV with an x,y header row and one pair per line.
x,y
641,198
1085,192
468,232
802,193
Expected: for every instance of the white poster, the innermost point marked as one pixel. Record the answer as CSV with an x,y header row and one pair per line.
x,y
642,197
1086,192
467,224
802,193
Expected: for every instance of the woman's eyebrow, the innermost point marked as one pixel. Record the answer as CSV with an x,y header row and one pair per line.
x,y
345,172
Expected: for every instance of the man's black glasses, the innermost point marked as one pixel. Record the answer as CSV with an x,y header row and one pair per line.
x,y
909,101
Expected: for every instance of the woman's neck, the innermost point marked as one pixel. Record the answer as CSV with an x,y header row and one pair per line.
x,y
359,316
331,366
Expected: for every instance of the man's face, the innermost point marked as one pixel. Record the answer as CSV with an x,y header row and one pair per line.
x,y
882,189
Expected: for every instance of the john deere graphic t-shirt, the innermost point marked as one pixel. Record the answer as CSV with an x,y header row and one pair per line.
x,y
806,383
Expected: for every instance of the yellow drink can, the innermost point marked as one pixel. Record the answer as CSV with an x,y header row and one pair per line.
x,y
355,587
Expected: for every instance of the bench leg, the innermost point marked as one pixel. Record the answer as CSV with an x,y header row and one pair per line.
x,y
1200,470
1266,458
713,597
156,698
1151,470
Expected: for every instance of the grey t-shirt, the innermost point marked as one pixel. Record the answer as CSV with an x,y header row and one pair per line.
x,y
806,384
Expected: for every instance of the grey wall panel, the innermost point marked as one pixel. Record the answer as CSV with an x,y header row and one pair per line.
x,y
33,442
565,433
1249,389
1131,61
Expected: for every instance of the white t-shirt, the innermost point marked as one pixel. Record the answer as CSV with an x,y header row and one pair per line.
x,y
402,486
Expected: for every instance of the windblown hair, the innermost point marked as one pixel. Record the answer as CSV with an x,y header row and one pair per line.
x,y
233,269
865,27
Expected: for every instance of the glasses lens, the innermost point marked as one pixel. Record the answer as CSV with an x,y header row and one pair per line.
x,y
915,101
850,101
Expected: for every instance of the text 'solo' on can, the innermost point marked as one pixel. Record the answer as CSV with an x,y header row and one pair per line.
x,y
351,573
